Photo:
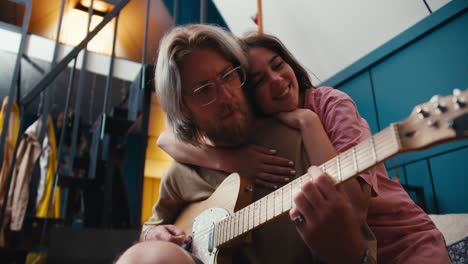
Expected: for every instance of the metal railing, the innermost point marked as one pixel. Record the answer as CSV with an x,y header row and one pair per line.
x,y
43,86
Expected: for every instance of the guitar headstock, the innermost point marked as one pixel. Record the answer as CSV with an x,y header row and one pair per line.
x,y
440,119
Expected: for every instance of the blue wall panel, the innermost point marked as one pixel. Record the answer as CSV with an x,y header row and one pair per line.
x,y
189,12
429,58
417,174
432,65
450,172
360,89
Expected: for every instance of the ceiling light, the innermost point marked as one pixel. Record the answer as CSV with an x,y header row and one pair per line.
x,y
100,7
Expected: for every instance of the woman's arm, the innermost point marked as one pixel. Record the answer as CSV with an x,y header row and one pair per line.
x,y
258,163
316,142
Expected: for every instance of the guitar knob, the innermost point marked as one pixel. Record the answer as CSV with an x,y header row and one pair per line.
x,y
432,123
459,102
435,98
422,112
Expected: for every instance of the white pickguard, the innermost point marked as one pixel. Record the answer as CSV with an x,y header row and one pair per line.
x,y
201,233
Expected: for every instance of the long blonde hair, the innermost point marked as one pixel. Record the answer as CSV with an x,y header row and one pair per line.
x,y
177,44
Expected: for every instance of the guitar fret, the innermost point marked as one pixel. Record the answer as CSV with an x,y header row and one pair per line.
x,y
217,239
230,229
374,153
282,201
277,203
226,229
220,233
257,213
246,221
223,230
356,168
233,228
295,189
274,204
251,216
262,207
345,165
287,197
338,168
241,221
236,224
270,205
290,195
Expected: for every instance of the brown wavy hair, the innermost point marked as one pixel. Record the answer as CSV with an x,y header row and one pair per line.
x,y
274,44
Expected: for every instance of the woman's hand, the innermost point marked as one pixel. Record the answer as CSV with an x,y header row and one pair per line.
x,y
259,164
299,118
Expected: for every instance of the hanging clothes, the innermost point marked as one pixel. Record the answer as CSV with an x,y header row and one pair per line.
x,y
29,151
48,162
10,142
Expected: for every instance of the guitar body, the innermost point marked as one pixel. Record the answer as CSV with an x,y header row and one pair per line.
x,y
196,219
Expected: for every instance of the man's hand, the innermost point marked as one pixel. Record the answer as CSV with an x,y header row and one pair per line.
x,y
261,165
169,233
330,228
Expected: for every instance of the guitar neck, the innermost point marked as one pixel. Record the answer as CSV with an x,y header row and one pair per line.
x,y
343,167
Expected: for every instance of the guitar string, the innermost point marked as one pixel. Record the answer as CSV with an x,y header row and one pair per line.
x,y
236,228
232,225
364,146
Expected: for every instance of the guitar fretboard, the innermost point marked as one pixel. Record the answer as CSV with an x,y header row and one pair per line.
x,y
344,166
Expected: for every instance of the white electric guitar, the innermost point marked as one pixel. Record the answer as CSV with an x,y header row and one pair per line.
x,y
221,220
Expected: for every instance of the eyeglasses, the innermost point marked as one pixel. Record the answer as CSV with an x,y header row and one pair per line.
x,y
208,93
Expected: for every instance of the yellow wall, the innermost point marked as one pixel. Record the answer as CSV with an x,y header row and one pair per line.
x,y
156,160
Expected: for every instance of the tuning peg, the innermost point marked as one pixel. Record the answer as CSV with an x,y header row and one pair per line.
x,y
456,92
441,108
422,112
431,122
435,98
459,102
450,123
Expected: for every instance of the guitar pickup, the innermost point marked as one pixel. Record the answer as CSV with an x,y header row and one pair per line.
x,y
211,239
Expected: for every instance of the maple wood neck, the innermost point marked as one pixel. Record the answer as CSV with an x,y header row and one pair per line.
x,y
348,164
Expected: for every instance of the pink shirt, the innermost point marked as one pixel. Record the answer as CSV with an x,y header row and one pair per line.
x,y
404,232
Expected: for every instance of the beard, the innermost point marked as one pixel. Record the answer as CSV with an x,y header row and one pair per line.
x,y
233,131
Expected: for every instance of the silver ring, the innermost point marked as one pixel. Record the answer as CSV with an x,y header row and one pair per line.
x,y
298,219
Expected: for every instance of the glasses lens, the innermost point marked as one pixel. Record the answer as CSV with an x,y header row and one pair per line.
x,y
234,78
205,94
